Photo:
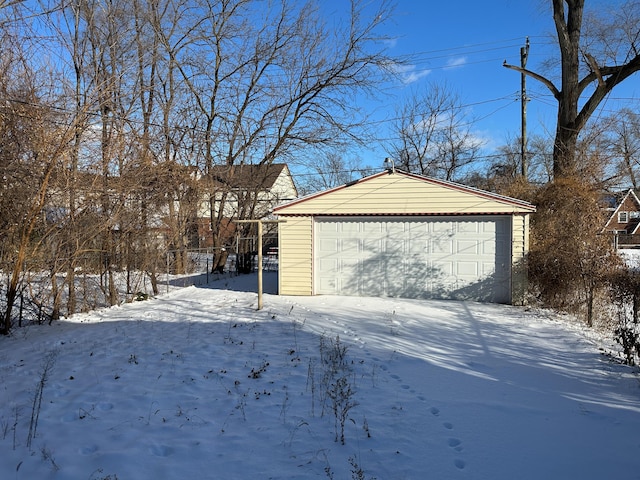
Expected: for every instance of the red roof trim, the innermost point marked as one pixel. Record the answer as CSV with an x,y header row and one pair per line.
x,y
465,214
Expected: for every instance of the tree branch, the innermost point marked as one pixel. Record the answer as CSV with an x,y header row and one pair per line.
x,y
540,78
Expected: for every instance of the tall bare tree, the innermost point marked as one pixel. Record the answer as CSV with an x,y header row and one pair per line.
x,y
32,146
433,134
598,51
624,141
268,79
149,96
330,169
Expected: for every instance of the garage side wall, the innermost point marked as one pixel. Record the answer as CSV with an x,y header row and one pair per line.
x,y
519,251
295,262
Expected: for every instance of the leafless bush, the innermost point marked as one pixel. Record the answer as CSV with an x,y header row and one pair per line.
x,y
37,397
336,383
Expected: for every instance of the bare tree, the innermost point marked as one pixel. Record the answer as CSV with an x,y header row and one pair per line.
x,y
147,98
111,66
269,79
32,146
330,169
69,26
624,139
434,134
598,51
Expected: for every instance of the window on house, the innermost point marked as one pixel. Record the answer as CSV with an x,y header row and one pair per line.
x,y
623,217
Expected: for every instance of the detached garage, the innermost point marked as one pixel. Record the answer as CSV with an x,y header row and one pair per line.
x,y
403,235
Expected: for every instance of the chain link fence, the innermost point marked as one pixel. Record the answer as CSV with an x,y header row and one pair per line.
x,y
185,268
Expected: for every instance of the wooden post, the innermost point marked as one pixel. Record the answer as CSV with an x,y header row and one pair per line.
x,y
259,222
259,265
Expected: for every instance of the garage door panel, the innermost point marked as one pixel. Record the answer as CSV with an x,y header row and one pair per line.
x,y
417,247
441,246
328,264
423,257
329,286
350,246
349,265
394,227
490,248
327,227
488,268
372,228
467,247
328,246
467,269
350,228
468,227
393,247
442,227
371,245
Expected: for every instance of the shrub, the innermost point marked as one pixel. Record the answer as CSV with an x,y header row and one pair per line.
x,y
569,260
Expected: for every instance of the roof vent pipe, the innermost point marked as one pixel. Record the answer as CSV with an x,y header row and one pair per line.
x,y
388,164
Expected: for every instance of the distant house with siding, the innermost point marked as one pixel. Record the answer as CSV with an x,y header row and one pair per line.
x,y
242,192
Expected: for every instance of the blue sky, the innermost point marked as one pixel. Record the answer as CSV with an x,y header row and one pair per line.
x,y
464,44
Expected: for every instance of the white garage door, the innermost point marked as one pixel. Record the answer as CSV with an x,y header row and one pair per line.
x,y
425,257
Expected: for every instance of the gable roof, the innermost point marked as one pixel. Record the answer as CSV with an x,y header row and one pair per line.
x,y
629,203
247,177
395,192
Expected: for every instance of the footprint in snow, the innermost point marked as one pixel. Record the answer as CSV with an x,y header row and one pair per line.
x,y
455,444
160,450
88,449
434,411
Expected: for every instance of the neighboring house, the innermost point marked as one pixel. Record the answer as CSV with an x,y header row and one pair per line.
x,y
405,235
241,192
179,202
624,222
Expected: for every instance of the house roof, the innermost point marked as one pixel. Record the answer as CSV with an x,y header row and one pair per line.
x,y
247,177
401,193
631,203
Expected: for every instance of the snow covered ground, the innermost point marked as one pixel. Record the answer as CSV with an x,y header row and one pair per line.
x,y
197,384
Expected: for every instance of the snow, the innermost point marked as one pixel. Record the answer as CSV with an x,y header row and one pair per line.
x,y
631,257
198,384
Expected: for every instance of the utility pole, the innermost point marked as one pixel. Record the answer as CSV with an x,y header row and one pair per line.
x,y
524,53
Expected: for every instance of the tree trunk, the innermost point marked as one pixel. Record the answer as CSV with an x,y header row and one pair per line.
x,y
564,151
568,29
12,291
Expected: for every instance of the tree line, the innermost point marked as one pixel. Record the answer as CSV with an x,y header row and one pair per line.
x,y
111,108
